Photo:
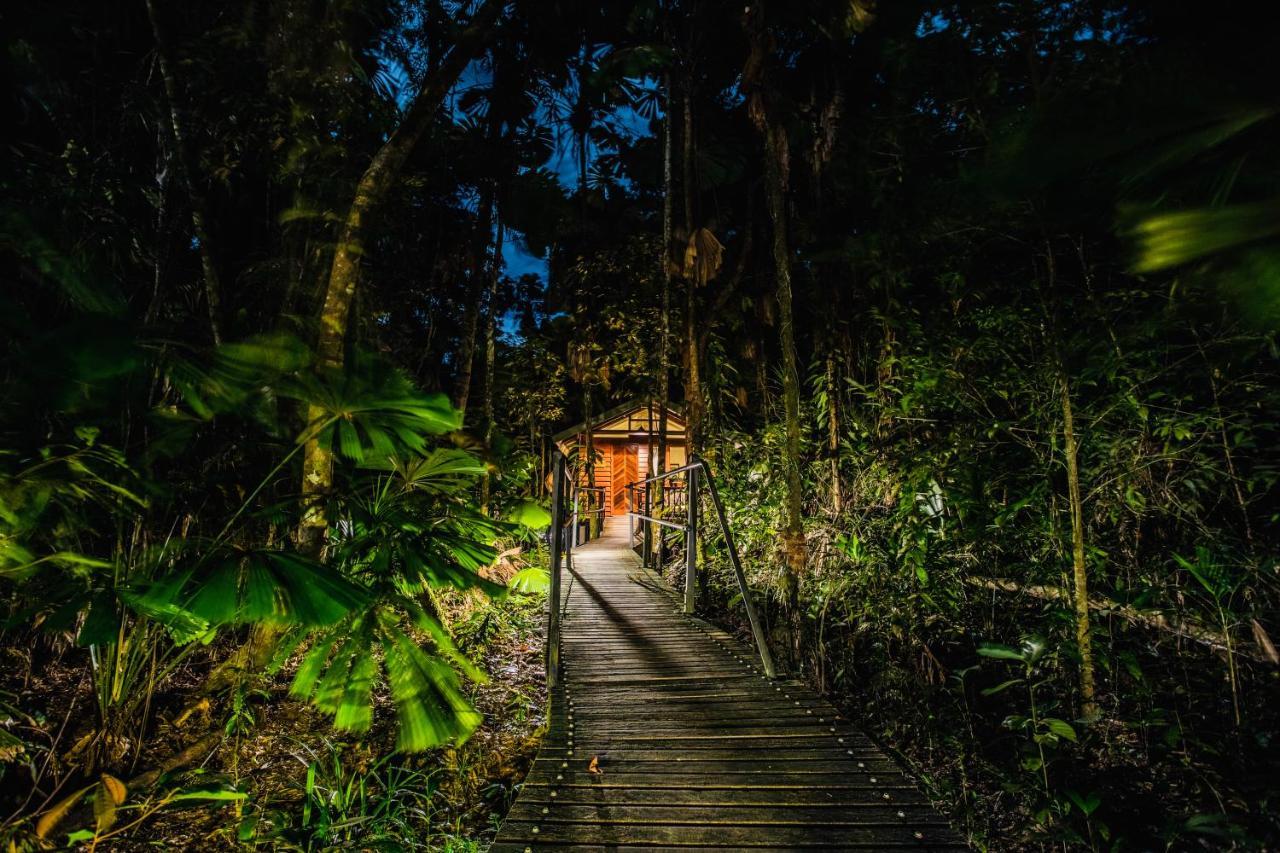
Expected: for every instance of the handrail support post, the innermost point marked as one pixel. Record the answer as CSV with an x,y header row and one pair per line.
x,y
647,528
757,629
691,542
553,594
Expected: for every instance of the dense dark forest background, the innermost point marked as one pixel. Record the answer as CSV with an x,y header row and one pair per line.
x,y
972,307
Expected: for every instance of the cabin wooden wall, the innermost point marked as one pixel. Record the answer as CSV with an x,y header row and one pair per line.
x,y
617,465
675,456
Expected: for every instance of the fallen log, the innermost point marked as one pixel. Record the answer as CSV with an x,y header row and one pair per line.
x,y
1152,619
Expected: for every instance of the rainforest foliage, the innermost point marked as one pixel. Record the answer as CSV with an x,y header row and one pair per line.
x,y
972,307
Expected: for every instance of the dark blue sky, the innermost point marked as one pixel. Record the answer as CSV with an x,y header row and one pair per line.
x,y
516,259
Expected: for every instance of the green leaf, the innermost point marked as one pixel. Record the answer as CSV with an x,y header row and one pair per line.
x,y
1086,804
339,672
211,794
529,514
102,624
1061,728
533,580
1033,648
995,650
430,707
256,587
183,625
349,441
1165,240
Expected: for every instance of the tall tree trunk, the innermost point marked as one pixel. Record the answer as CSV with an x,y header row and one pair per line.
x,y
776,166
590,465
1070,450
187,168
833,428
490,356
1084,644
658,501
693,386
371,191
475,289
763,109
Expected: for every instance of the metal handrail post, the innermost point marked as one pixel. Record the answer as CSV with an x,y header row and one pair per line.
x,y
757,630
553,595
647,528
691,542
573,530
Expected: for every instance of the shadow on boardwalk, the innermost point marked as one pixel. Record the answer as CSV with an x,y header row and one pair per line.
x,y
692,747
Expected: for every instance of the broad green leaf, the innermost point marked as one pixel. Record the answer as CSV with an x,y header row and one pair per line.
x,y
255,587
1061,728
183,625
531,580
529,514
1164,240
994,650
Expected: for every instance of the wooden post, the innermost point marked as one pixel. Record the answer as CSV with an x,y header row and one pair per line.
x,y
691,541
553,595
757,630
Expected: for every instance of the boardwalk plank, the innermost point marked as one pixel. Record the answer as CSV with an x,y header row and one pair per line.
x,y
693,748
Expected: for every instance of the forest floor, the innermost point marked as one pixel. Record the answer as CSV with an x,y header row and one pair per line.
x,y
309,787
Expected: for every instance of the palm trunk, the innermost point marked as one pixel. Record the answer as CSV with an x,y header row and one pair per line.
x,y
371,192
186,166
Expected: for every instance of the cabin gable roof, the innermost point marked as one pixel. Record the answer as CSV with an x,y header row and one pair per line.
x,y
618,421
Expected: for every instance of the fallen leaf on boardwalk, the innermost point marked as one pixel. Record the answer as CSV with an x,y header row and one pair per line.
x,y
594,766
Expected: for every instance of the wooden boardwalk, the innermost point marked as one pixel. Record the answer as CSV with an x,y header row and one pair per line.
x,y
695,749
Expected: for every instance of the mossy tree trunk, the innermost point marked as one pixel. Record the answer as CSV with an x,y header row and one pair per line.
x,y
371,192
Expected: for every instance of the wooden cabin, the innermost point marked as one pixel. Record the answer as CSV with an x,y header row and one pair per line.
x,y
622,438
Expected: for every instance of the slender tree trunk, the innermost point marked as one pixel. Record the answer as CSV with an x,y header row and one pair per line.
x,y
471,315
763,110
1080,577
664,320
1070,449
490,356
590,464
371,191
187,168
833,429
776,166
693,387
163,168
